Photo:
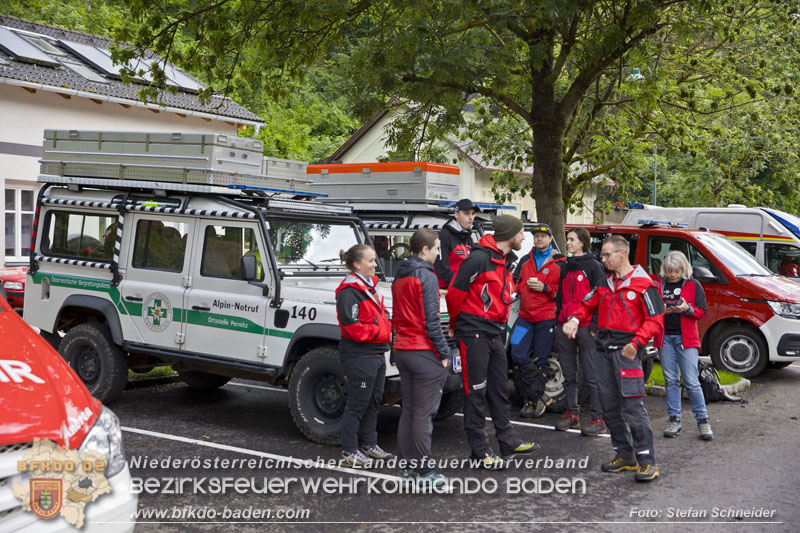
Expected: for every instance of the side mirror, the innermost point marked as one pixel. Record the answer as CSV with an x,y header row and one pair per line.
x,y
704,274
248,267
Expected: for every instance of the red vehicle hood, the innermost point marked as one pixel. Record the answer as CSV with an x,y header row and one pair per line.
x,y
776,288
40,395
13,273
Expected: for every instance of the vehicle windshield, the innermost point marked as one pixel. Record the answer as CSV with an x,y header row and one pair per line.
x,y
733,256
311,247
790,222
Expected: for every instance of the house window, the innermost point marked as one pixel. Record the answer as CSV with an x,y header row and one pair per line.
x,y
19,222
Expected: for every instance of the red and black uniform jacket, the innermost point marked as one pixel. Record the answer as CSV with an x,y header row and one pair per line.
x,y
693,294
363,319
455,243
629,309
538,306
415,309
583,273
479,297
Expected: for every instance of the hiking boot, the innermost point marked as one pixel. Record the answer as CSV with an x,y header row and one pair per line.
x,y
594,427
376,452
431,480
568,421
619,464
673,427
543,403
522,449
355,459
705,429
527,410
490,461
646,472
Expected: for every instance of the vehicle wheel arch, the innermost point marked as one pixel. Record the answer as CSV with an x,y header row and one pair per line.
x,y
309,337
719,329
79,308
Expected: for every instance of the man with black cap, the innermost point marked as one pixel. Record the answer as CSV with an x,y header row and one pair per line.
x,y
455,242
478,303
538,277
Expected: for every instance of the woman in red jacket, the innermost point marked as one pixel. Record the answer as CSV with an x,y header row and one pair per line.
x,y
685,304
421,353
366,337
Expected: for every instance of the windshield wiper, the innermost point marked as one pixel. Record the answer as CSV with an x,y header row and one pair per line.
x,y
757,275
310,263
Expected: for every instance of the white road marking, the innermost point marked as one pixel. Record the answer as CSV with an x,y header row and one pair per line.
x,y
514,422
297,462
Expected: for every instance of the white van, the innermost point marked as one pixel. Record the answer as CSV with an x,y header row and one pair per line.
x,y
772,236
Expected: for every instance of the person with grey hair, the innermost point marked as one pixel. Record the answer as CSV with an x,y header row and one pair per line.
x,y
685,304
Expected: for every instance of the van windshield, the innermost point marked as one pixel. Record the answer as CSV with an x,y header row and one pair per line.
x,y
790,222
733,256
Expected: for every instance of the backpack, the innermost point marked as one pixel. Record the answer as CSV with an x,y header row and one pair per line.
x,y
709,382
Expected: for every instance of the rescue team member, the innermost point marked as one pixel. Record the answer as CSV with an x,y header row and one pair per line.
x,y
421,354
629,313
538,276
478,303
685,303
455,242
366,336
583,273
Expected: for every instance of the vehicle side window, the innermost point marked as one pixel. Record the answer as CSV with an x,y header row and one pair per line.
x,y
391,250
160,245
223,248
750,246
782,258
659,246
78,235
597,245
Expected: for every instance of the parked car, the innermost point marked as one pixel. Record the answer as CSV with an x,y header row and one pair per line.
x,y
12,279
771,236
42,398
753,317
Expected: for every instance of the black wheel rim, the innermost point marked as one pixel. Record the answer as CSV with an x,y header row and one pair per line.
x,y
88,364
329,395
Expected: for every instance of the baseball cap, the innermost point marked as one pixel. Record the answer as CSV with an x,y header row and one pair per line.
x,y
465,204
542,228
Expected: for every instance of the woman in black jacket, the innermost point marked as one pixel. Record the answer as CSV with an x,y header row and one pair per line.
x,y
582,274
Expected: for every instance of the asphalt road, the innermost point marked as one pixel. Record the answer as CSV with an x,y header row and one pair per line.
x,y
752,465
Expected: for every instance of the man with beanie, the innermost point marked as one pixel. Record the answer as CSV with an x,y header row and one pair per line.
x,y
455,241
538,277
478,302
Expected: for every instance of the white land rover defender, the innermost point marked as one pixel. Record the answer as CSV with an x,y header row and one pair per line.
x,y
156,249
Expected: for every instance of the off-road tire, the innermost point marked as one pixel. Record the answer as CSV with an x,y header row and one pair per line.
x,y
101,364
317,395
452,403
200,380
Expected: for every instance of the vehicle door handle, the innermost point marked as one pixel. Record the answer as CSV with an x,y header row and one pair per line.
x,y
134,298
201,308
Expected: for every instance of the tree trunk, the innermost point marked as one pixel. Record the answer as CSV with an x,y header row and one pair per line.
x,y
548,178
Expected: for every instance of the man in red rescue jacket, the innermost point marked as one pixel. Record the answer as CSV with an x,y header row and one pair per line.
x,y
455,242
538,278
478,302
630,312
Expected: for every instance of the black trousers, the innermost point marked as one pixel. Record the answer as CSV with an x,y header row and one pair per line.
x,y
365,376
569,352
422,377
621,412
485,372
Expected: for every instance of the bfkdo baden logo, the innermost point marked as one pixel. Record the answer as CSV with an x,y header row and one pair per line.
x,y
46,497
53,481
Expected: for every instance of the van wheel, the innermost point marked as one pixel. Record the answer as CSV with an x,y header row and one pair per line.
x,y
452,403
101,364
199,380
739,349
317,395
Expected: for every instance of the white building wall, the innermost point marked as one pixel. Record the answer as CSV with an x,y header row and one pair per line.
x,y
25,115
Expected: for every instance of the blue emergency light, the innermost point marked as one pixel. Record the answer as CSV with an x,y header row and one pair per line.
x,y
650,222
272,189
